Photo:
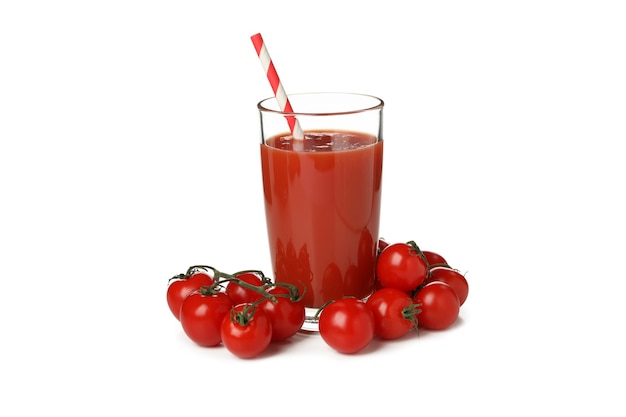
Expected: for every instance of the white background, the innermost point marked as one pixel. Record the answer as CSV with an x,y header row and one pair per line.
x,y
129,152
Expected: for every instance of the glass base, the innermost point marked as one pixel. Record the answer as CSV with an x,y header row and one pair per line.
x,y
310,321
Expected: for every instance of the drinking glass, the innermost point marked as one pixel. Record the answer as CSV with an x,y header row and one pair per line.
x,y
322,194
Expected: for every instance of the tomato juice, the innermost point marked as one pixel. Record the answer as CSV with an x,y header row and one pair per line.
x,y
322,203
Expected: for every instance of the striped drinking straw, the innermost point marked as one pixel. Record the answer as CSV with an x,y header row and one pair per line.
x,y
277,87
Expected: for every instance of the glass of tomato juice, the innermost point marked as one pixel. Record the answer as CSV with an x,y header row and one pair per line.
x,y
322,194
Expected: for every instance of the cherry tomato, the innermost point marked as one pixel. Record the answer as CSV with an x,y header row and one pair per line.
x,y
346,325
434,258
395,314
241,295
439,306
201,315
181,286
287,314
401,266
246,331
453,278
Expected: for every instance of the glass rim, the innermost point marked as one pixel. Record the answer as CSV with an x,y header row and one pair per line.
x,y
378,103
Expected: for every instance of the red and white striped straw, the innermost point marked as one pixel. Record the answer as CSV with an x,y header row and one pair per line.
x,y
277,86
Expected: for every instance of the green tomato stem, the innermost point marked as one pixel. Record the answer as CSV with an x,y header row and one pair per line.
x,y
244,316
411,312
417,250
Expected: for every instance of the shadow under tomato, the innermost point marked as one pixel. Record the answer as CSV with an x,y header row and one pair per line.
x,y
276,347
378,343
426,332
374,346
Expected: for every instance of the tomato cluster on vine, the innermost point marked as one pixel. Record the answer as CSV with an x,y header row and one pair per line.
x,y
246,311
414,289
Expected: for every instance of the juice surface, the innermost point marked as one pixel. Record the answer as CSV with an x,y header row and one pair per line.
x,y
322,202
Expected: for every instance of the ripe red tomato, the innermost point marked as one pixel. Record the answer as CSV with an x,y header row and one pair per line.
x,y
453,278
401,266
246,331
286,314
439,306
346,325
241,295
201,315
434,258
395,314
181,286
